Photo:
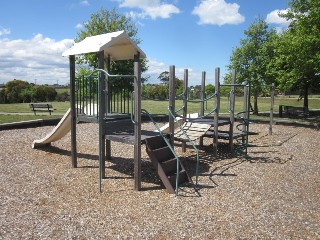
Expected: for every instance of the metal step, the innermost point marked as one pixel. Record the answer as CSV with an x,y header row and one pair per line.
x,y
163,154
170,166
183,177
165,163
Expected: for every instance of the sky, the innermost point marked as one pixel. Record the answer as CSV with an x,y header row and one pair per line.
x,y
198,35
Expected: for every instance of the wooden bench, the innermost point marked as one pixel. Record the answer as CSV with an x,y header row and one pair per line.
x,y
41,107
291,111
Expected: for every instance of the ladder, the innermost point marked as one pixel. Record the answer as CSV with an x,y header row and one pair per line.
x,y
169,168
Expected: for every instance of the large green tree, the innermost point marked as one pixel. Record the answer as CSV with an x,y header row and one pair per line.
x,y
251,58
298,49
106,21
13,90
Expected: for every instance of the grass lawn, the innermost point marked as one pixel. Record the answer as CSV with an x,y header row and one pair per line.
x,y
155,107
19,118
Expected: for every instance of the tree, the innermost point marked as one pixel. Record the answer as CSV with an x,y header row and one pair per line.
x,y
298,49
27,93
251,59
210,89
44,93
106,21
164,77
13,90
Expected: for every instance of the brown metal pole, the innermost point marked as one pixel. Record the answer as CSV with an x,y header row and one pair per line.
x,y
232,104
73,110
271,109
172,79
216,113
203,96
102,113
137,120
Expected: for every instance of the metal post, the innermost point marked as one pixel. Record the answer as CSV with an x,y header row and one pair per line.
x,y
271,109
73,111
101,114
202,96
108,104
246,114
172,79
108,99
216,113
232,105
185,94
185,102
137,124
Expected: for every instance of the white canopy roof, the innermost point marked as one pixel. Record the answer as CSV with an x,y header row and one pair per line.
x,y
116,44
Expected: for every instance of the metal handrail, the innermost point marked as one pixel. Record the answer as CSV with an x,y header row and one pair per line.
x,y
216,95
173,115
168,144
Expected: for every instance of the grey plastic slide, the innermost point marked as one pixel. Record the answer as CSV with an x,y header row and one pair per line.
x,y
57,133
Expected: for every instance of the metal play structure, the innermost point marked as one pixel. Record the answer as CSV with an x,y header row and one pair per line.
x,y
91,101
212,116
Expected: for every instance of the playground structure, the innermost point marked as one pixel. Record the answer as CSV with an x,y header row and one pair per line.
x,y
90,102
212,117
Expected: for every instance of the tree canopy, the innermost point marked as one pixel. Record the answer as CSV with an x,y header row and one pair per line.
x,y
106,21
19,91
251,59
289,58
298,49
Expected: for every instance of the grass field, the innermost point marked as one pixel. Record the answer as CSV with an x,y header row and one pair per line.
x,y
154,107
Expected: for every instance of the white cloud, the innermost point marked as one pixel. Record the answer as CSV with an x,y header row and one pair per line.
x,y
218,12
84,3
150,8
280,22
273,17
37,58
4,31
79,26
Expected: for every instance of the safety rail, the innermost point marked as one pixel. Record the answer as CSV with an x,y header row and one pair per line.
x,y
102,98
173,115
243,127
87,95
87,91
168,144
216,95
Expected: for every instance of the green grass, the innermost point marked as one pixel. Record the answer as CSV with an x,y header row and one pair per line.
x,y
19,118
155,107
60,107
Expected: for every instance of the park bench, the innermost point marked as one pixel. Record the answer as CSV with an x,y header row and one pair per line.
x,y
291,111
41,107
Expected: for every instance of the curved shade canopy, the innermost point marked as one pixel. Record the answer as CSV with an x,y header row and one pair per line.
x,y
116,44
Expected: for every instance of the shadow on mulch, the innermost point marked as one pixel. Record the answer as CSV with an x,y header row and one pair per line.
x,y
119,164
225,159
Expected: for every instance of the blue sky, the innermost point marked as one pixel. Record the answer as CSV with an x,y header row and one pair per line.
x,y
199,35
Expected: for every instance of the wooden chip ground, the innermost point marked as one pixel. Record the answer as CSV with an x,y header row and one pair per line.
x,y
272,194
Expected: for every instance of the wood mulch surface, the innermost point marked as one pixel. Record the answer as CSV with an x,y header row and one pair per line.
x,y
271,194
